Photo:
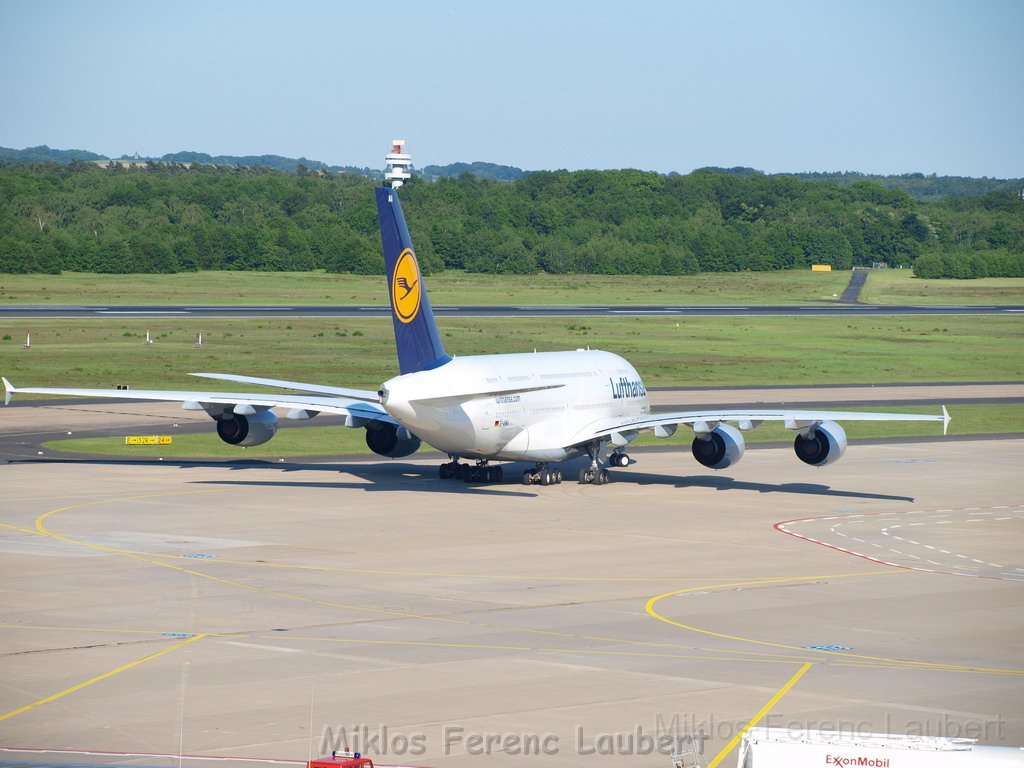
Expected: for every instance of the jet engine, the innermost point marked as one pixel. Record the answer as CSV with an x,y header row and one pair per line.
x,y
248,429
720,448
387,439
822,444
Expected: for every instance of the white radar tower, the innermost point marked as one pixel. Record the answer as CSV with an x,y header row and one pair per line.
x,y
398,163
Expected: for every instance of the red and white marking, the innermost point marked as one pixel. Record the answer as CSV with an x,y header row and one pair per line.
x,y
914,540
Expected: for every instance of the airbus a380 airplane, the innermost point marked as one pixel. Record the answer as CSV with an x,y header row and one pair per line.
x,y
541,407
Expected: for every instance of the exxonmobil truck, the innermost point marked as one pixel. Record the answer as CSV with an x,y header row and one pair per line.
x,y
785,748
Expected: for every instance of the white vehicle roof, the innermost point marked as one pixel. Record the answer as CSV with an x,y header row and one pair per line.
x,y
771,747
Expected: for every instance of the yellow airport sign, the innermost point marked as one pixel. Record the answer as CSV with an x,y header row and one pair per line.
x,y
148,440
821,267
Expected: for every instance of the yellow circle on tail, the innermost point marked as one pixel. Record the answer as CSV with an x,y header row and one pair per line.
x,y
405,287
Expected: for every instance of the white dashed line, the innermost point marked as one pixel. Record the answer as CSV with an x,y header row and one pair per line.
x,y
887,526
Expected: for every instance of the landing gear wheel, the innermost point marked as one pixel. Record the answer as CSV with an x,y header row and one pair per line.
x,y
527,477
591,476
545,477
619,460
558,476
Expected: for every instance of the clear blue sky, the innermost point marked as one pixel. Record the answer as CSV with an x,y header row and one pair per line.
x,y
872,85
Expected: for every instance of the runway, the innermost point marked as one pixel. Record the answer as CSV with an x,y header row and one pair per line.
x,y
262,609
824,310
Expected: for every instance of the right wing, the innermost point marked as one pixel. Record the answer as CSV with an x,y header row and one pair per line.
x,y
358,406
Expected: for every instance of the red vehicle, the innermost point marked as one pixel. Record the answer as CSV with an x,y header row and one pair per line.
x,y
342,758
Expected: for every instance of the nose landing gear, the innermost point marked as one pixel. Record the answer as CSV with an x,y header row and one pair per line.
x,y
618,459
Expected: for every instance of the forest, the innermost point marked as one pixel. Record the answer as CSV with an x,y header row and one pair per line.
x,y
169,217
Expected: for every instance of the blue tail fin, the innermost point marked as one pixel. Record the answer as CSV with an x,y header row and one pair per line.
x,y
416,335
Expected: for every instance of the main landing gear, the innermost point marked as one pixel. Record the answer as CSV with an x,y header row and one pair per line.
x,y
595,474
542,475
470,473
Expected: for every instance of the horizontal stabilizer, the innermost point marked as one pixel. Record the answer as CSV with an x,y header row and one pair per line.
x,y
354,394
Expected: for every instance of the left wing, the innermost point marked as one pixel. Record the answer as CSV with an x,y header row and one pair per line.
x,y
665,424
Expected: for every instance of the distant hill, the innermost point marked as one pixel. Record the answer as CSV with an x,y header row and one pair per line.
x,y
918,185
738,170
922,187
43,154
478,169
277,162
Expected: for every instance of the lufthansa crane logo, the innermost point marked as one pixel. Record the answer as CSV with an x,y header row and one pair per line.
x,y
405,287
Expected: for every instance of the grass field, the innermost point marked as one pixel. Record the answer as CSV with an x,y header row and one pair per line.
x,y
448,288
667,351
462,288
331,441
899,286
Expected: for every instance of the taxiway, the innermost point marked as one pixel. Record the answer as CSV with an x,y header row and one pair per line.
x,y
259,609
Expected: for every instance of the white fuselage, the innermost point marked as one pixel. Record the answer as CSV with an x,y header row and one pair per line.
x,y
468,406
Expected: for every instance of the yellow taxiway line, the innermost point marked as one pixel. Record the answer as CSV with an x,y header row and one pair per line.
x,y
889,662
760,713
98,678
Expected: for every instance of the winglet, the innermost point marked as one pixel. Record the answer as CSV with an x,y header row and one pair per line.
x,y
945,421
8,390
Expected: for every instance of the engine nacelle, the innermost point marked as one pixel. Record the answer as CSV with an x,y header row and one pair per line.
x,y
720,448
245,430
387,439
823,444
